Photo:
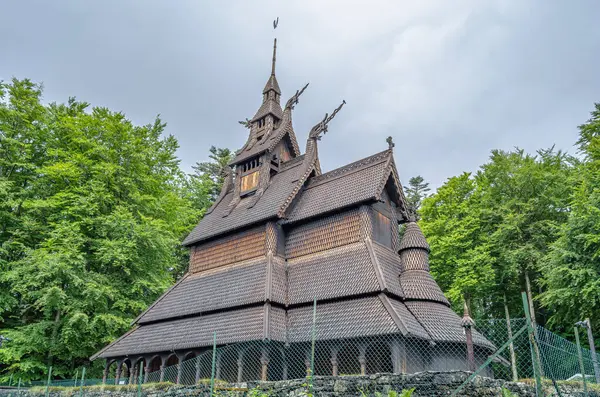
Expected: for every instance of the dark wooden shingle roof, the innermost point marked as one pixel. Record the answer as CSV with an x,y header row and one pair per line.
x,y
443,324
353,318
231,326
335,273
215,223
419,284
413,237
220,288
352,184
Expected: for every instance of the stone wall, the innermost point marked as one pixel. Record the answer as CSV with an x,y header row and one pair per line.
x,y
424,383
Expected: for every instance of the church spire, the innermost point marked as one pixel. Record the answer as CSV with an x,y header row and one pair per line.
x,y
272,84
274,56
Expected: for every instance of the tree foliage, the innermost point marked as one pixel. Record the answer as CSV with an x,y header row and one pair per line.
x,y
416,191
487,230
93,209
571,271
92,213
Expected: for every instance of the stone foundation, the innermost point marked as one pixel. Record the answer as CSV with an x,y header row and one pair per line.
x,y
379,385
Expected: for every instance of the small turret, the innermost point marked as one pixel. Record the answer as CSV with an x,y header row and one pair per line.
x,y
415,278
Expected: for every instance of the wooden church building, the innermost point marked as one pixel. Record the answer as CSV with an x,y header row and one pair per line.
x,y
283,233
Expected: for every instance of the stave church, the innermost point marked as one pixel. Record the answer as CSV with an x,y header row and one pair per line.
x,y
282,234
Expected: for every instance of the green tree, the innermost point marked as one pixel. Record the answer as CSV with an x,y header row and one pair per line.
x,y
205,183
572,267
92,213
416,191
460,252
526,200
489,232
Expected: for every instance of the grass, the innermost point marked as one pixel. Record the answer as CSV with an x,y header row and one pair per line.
x,y
71,390
573,383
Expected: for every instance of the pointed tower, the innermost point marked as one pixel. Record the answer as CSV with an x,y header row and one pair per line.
x,y
270,111
270,143
415,279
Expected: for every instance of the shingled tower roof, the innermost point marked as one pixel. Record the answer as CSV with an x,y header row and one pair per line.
x,y
415,278
413,238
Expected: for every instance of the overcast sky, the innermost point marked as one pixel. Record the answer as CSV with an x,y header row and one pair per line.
x,y
448,80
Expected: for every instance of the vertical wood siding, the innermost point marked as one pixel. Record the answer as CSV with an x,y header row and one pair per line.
x,y
239,247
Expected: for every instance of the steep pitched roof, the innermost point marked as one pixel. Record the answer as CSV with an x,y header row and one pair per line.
x,y
334,273
269,143
413,237
443,324
231,326
268,107
346,186
419,284
272,84
214,224
220,288
340,272
375,315
389,264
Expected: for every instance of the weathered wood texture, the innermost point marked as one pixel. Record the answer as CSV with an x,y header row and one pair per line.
x,y
238,247
324,234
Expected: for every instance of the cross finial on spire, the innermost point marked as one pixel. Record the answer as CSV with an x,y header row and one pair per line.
x,y
390,142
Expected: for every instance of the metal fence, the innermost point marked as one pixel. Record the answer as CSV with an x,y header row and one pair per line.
x,y
513,351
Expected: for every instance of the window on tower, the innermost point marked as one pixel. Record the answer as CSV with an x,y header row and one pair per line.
x,y
249,176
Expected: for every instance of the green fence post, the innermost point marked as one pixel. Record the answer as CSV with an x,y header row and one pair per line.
x,y
141,377
214,359
312,349
82,382
593,350
48,382
19,387
536,364
580,356
76,376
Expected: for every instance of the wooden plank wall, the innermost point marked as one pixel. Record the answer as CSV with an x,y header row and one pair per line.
x,y
235,248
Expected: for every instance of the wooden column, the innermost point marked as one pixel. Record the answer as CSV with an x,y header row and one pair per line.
x,y
334,361
362,359
118,374
468,323
307,363
264,362
105,373
398,350
218,367
240,367
179,369
197,377
284,372
133,373
162,372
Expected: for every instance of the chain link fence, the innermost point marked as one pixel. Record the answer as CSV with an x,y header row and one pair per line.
x,y
500,350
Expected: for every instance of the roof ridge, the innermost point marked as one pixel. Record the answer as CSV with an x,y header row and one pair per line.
x,y
354,166
392,313
376,266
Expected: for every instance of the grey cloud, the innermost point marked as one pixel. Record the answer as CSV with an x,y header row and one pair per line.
x,y
448,80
